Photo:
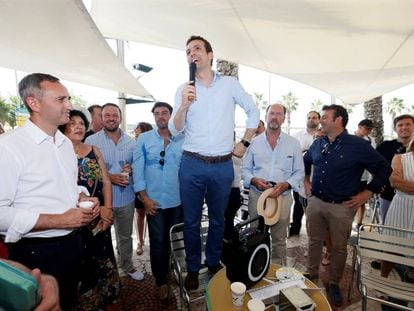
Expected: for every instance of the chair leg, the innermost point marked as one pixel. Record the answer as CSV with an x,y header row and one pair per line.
x,y
352,274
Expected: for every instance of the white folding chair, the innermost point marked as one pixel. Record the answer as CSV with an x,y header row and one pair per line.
x,y
377,242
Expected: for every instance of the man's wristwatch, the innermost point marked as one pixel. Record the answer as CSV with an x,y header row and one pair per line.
x,y
245,143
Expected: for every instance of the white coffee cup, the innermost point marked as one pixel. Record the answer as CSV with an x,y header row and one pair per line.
x,y
86,204
255,305
238,291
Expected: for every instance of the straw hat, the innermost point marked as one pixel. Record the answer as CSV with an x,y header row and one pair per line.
x,y
269,208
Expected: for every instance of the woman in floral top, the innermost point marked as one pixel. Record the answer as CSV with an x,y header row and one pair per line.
x,y
99,288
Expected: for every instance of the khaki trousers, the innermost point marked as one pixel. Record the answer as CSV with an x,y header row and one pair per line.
x,y
337,219
278,231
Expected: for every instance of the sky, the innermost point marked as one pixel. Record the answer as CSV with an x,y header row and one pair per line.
x,y
170,69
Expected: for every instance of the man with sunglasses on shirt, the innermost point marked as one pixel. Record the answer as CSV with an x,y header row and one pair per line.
x,y
339,160
155,166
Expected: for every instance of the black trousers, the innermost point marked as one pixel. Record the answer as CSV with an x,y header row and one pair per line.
x,y
297,215
235,201
57,256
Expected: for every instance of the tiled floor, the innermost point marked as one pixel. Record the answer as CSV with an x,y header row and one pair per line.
x,y
145,290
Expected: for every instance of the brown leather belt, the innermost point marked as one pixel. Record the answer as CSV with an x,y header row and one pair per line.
x,y
208,159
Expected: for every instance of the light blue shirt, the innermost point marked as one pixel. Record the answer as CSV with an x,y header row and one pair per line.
x,y
115,156
159,181
210,119
283,164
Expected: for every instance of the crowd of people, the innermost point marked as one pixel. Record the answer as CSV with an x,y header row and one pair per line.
x,y
56,162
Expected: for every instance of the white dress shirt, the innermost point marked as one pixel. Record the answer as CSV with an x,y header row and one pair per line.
x,y
284,163
38,176
305,139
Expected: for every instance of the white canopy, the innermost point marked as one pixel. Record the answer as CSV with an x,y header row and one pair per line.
x,y
353,49
59,37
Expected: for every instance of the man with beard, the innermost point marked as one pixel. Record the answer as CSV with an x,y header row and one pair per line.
x,y
338,160
305,138
157,159
117,149
274,159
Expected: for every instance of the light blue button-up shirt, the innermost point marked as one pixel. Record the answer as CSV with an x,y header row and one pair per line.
x,y
159,181
115,156
284,163
210,119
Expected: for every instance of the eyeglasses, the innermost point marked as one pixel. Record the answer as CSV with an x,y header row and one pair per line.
x,y
162,160
325,148
336,147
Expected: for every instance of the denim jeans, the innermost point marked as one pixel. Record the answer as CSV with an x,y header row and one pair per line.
x,y
199,179
159,227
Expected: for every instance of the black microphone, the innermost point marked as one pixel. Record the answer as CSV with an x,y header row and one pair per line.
x,y
193,69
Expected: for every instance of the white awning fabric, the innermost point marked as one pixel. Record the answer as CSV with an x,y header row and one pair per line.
x,y
59,37
353,49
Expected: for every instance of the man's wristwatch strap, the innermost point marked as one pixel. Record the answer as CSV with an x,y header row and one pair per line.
x,y
245,143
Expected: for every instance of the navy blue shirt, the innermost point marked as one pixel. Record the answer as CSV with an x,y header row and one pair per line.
x,y
338,167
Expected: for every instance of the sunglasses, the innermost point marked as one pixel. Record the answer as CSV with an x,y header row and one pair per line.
x,y
162,160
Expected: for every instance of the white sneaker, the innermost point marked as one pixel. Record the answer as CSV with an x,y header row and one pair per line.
x,y
137,275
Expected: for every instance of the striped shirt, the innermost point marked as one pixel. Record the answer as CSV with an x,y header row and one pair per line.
x,y
115,156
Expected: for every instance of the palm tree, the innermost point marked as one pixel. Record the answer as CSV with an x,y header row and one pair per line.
x,y
7,113
289,101
317,105
394,107
373,111
258,99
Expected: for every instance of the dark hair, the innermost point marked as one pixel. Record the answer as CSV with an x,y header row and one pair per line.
x,y
401,117
284,108
162,104
93,107
339,111
30,86
112,105
313,111
75,113
144,127
207,44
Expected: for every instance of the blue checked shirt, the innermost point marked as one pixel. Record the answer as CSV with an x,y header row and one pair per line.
x,y
159,181
114,156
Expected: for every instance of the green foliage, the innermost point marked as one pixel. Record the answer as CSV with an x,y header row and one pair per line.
x,y
7,111
317,105
394,106
258,99
290,101
78,100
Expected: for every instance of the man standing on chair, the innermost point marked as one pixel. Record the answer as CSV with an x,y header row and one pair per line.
x,y
204,112
274,159
157,158
338,161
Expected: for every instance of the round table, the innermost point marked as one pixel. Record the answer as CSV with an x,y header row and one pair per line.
x,y
218,293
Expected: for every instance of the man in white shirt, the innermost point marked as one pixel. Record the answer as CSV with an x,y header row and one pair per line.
x,y
38,189
274,160
305,138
